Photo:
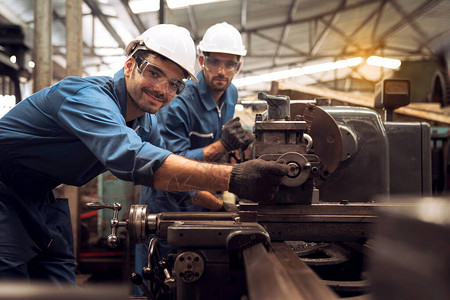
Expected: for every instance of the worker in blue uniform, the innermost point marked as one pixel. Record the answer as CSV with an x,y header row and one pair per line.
x,y
192,124
199,124
80,127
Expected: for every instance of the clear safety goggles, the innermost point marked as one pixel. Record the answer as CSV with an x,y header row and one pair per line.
x,y
154,74
213,64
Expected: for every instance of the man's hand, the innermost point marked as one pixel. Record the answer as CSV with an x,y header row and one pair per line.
x,y
257,180
234,136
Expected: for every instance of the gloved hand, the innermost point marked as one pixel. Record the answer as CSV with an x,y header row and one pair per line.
x,y
257,180
249,138
228,207
234,136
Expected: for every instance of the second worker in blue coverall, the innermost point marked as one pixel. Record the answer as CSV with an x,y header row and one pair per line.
x,y
198,124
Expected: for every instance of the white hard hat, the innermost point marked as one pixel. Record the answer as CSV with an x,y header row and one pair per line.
x,y
171,41
222,38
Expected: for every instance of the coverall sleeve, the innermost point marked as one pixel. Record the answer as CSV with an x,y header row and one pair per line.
x,y
92,116
175,123
159,200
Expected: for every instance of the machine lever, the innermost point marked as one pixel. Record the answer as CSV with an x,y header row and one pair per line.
x,y
96,205
137,280
278,107
112,240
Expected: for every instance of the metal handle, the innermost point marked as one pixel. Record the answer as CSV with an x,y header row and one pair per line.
x,y
112,240
96,205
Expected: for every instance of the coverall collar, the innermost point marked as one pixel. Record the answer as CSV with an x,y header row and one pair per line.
x,y
207,99
121,90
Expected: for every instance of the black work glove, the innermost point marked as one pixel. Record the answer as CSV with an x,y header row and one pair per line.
x,y
234,136
257,180
249,138
228,207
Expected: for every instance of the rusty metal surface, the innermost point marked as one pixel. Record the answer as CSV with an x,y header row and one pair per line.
x,y
318,222
266,277
307,282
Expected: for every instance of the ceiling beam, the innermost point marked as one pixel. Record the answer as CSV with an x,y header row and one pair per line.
x,y
11,17
96,11
193,23
270,39
312,18
245,36
123,15
377,20
426,6
322,36
134,18
292,10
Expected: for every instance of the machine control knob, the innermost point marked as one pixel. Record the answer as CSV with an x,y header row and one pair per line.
x,y
294,169
189,266
299,169
112,241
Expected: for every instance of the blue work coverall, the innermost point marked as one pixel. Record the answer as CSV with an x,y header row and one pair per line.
x,y
67,133
189,123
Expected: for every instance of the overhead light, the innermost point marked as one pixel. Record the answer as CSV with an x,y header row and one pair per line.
x,y
13,59
383,62
183,3
142,6
239,107
297,72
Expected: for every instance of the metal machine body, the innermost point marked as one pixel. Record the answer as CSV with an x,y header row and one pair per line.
x,y
339,158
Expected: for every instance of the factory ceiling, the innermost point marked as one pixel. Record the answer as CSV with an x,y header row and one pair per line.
x,y
279,35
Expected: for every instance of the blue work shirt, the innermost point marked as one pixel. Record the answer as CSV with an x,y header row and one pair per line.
x,y
75,130
189,123
67,133
193,120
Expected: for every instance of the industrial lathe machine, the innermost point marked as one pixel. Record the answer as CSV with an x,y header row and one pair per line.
x,y
312,240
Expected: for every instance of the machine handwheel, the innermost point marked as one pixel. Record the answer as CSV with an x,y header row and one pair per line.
x,y
299,169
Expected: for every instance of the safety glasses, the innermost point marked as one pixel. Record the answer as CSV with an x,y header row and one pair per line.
x,y
213,64
154,75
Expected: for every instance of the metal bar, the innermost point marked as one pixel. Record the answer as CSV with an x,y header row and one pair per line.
x,y
270,39
245,36
422,36
96,11
193,22
74,41
262,102
161,14
308,19
319,231
285,32
317,219
377,20
137,22
42,44
367,209
307,282
426,6
12,17
266,277
325,32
